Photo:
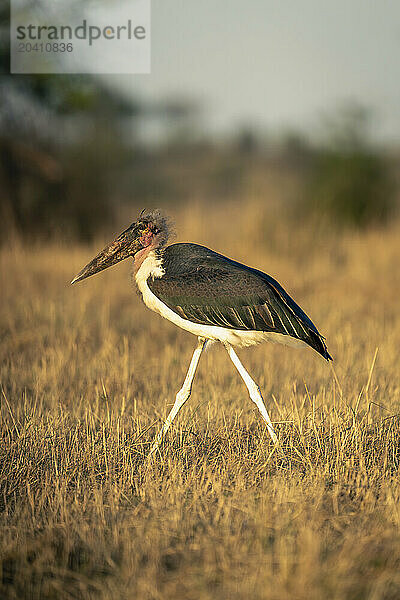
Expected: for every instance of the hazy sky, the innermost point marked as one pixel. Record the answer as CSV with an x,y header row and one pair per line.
x,y
276,64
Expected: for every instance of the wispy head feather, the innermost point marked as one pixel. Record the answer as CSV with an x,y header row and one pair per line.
x,y
163,223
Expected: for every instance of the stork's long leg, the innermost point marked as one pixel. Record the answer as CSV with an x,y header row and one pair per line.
x,y
183,393
254,392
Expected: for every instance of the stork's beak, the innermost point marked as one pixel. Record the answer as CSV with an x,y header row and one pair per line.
x,y
126,244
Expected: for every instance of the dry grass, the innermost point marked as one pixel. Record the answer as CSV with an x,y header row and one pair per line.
x,y
88,373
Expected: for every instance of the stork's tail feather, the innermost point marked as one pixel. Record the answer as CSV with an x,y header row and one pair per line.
x,y
317,342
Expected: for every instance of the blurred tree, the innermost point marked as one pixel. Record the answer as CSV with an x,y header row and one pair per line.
x,y
350,180
296,149
70,148
247,140
46,123
63,142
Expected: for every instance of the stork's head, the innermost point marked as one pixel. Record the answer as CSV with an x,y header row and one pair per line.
x,y
149,232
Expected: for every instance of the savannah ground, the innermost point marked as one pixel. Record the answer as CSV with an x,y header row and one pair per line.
x,y
88,374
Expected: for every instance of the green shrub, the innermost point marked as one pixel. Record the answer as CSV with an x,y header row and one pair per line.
x,y
350,181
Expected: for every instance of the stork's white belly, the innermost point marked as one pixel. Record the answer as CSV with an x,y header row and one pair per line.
x,y
151,267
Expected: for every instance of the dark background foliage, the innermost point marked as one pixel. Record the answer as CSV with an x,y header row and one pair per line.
x,y
71,158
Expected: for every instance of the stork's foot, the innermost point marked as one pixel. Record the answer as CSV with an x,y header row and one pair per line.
x,y
156,444
182,395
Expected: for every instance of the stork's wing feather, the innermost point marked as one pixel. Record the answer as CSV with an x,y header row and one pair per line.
x,y
208,288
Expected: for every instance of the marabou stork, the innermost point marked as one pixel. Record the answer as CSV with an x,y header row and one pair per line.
x,y
210,295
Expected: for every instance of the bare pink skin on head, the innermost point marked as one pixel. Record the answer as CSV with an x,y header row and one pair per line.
x,y
150,241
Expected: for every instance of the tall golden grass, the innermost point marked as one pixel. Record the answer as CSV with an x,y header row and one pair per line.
x,y
88,374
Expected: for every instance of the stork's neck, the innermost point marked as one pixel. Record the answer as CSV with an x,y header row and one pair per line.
x,y
148,265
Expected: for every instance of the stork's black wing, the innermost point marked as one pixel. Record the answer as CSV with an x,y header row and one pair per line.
x,y
205,287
